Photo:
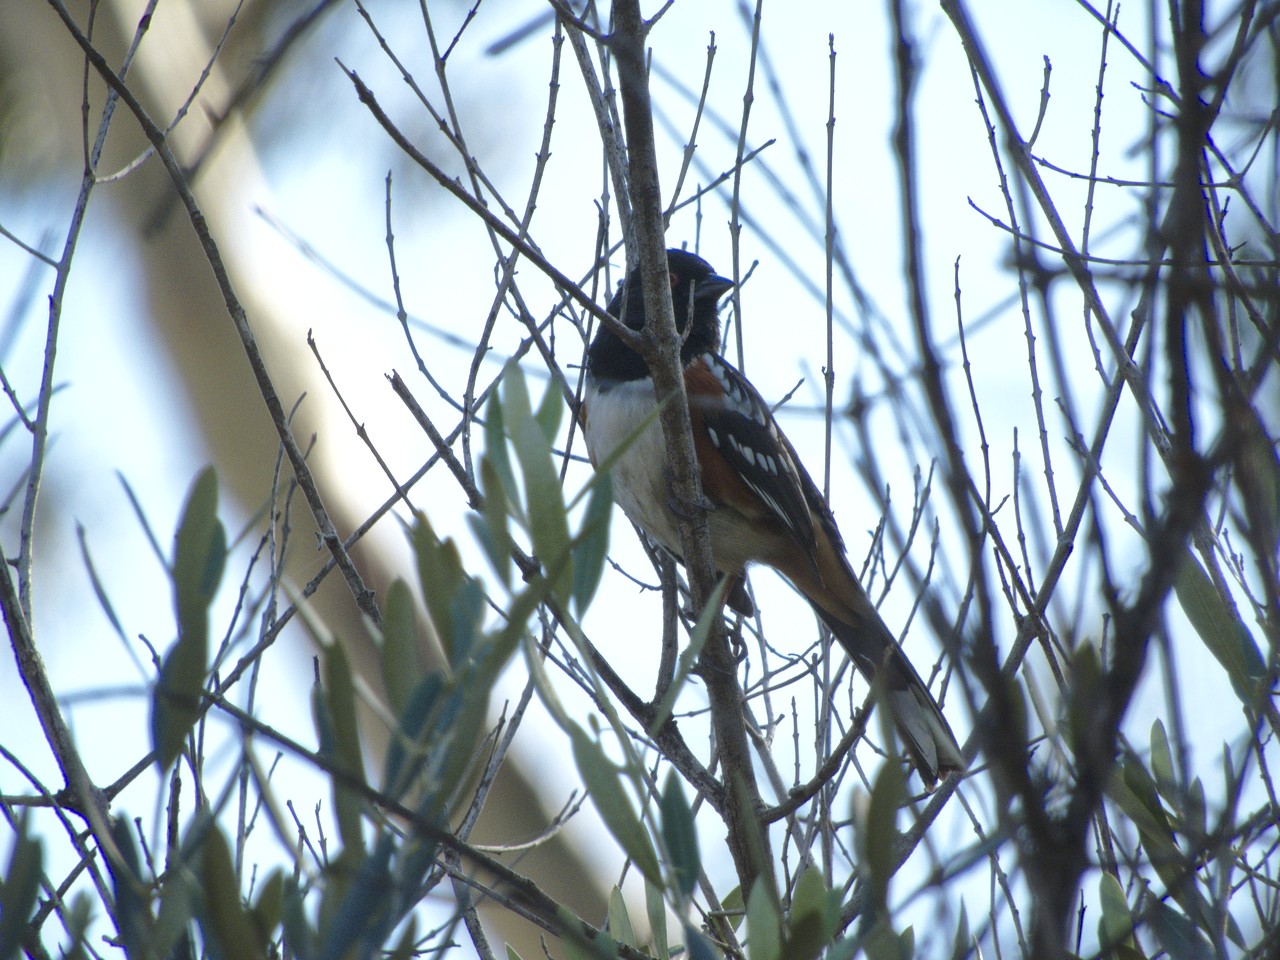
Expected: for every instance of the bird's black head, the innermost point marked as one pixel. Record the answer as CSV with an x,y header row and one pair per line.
x,y
696,290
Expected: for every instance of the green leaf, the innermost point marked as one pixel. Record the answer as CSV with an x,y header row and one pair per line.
x,y
496,537
1115,926
441,576
178,901
77,921
619,920
199,556
604,782
734,907
363,916
961,945
882,943
200,549
880,833
495,448
544,499
1195,816
1257,475
407,743
681,837
225,921
550,413
343,747
698,947
577,946
815,916
764,925
1162,763
591,546
407,948
20,888
299,938
400,669
133,917
1083,696
656,908
269,909
1133,791
846,948
1221,630
457,729
1176,933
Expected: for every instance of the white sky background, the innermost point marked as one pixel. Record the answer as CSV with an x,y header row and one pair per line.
x,y
326,184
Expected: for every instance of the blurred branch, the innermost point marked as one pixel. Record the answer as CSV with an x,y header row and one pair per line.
x,y
748,841
363,596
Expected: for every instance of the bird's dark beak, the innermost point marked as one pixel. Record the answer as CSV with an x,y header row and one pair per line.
x,y
712,288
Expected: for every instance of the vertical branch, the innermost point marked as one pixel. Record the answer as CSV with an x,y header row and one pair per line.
x,y
747,839
735,224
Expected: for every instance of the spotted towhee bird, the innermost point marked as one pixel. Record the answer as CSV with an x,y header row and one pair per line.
x,y
766,509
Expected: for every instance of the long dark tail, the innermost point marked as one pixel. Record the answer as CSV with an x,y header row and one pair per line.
x,y
924,730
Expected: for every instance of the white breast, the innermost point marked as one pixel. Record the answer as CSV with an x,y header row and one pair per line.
x,y
639,474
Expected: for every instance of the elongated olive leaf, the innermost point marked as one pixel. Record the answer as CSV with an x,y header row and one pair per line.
x,y
544,500
764,925
680,836
407,948
466,613
133,911
1257,474
1162,763
407,749
881,943
550,412
453,751
656,908
577,947
734,907
503,644
961,947
604,782
178,902
815,916
225,920
1115,926
591,546
363,916
496,536
880,830
441,576
200,548
299,938
1220,630
698,947
269,909
620,920
1136,794
1177,934
495,450
199,557
400,670
334,705
19,888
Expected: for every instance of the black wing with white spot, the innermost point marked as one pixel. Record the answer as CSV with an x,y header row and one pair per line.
x,y
745,433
